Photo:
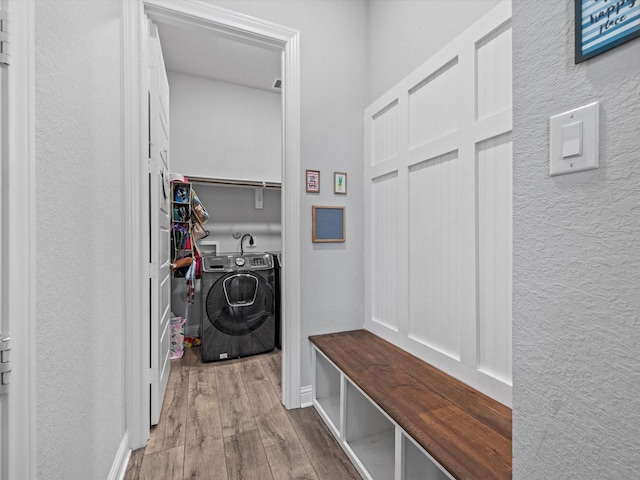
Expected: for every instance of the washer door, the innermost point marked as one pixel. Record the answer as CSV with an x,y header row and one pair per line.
x,y
239,303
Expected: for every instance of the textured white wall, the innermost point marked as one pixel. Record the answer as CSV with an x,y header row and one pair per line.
x,y
404,33
576,335
223,130
79,298
333,89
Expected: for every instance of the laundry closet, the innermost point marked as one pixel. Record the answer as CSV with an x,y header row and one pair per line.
x,y
226,140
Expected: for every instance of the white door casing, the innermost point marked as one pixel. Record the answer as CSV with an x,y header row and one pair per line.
x,y
243,28
159,224
17,252
438,208
4,319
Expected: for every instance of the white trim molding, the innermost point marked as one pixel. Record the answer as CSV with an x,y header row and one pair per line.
x,y
306,396
136,349
20,217
243,28
121,461
291,223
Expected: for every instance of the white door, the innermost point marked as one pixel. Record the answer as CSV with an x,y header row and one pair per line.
x,y
159,236
4,319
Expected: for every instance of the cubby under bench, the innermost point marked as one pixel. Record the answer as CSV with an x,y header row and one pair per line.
x,y
399,418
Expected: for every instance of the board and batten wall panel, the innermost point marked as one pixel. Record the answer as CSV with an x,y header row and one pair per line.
x,y
385,136
436,93
433,251
438,260
384,241
494,73
494,189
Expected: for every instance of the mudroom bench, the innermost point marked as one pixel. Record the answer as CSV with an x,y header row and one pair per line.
x,y
400,418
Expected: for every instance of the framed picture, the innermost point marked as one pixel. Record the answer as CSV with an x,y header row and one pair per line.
x,y
328,224
313,181
340,183
604,24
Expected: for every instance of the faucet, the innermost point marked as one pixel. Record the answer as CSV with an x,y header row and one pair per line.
x,y
242,242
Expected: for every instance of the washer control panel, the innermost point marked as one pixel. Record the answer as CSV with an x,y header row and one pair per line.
x,y
234,263
259,262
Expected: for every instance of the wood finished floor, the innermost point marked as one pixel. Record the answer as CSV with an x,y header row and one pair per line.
x,y
224,420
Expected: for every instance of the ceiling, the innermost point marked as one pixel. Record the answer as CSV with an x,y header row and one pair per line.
x,y
204,53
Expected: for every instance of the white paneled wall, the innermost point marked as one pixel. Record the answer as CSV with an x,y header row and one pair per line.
x,y
433,242
438,210
383,241
494,256
385,124
494,74
437,93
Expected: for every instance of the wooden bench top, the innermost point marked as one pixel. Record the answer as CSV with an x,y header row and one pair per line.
x,y
466,431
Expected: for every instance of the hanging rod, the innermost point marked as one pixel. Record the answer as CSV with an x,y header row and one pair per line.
x,y
234,183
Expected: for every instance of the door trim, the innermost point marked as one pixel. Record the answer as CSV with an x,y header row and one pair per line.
x,y
243,28
134,255
20,217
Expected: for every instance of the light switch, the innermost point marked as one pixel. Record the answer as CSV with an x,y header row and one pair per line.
x,y
574,140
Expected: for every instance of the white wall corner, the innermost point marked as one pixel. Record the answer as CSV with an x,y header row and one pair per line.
x,y
120,463
306,396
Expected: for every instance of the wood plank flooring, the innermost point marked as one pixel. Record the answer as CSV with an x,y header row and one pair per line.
x,y
224,420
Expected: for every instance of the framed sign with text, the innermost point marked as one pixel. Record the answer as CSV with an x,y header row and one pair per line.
x,y
604,24
313,181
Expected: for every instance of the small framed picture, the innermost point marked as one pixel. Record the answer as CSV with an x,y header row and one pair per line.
x,y
340,183
313,181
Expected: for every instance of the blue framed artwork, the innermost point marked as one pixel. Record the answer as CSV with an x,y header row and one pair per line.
x,y
604,24
328,224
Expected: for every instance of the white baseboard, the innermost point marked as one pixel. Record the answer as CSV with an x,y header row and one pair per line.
x,y
120,463
306,396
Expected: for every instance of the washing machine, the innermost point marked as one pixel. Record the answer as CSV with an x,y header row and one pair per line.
x,y
238,306
277,267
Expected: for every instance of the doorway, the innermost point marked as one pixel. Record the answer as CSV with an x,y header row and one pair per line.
x,y
245,29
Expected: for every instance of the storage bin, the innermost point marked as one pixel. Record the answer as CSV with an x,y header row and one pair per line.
x,y
177,336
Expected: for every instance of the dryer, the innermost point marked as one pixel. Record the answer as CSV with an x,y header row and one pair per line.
x,y
238,305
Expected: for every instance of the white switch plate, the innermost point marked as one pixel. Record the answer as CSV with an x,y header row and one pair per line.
x,y
588,148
